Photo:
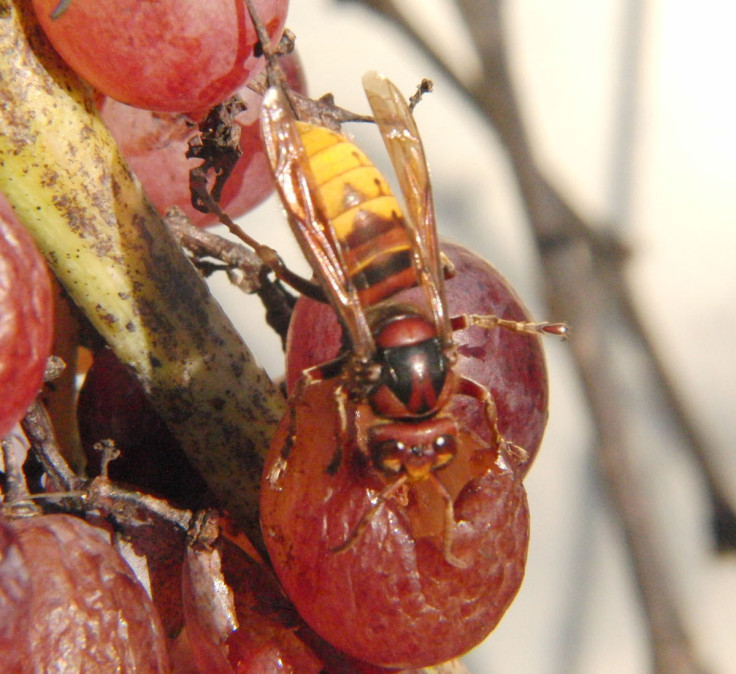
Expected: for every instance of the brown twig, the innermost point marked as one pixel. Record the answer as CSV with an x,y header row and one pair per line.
x,y
201,244
40,433
128,506
244,268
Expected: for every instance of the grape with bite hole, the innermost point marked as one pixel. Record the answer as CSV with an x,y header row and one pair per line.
x,y
392,597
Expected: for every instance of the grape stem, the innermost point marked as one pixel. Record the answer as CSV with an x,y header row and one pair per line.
x,y
129,507
40,433
321,111
244,268
202,243
14,483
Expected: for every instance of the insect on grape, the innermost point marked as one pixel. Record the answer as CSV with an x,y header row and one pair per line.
x,y
364,250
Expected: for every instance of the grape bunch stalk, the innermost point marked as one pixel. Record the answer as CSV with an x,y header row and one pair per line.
x,y
176,421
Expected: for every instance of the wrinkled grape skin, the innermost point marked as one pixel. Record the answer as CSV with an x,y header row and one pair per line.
x,y
511,366
26,321
15,588
391,598
230,581
85,607
266,640
271,637
169,55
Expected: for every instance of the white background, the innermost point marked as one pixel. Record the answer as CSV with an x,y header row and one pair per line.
x,y
577,611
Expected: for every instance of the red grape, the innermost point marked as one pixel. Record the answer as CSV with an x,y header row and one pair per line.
x,y
237,617
154,144
168,55
15,589
511,366
72,600
26,321
391,597
113,405
270,635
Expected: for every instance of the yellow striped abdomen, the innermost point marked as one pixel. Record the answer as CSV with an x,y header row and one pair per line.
x,y
364,214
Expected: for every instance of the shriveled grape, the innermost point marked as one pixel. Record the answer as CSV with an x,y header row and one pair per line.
x,y
81,604
15,589
237,617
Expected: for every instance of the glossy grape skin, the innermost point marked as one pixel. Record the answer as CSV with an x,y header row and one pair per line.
x,y
26,321
155,146
511,366
392,598
76,600
168,55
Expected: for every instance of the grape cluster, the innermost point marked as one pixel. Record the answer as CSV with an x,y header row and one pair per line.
x,y
388,601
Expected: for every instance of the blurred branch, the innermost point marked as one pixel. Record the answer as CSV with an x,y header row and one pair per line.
x,y
585,285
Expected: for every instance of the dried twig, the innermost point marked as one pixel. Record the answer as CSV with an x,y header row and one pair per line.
x,y
40,433
14,488
127,506
130,508
244,268
201,244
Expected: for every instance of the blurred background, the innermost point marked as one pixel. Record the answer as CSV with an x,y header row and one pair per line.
x,y
626,113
